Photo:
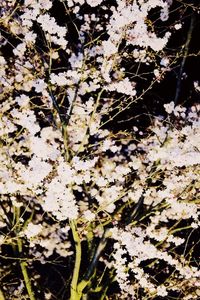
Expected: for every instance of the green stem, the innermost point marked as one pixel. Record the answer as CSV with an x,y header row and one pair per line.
x,y
23,264
65,141
27,280
75,293
87,278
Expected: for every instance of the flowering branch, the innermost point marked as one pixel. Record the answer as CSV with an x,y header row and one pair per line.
x,y
71,182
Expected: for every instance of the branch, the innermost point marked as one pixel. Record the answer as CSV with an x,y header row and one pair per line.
x,y
100,248
23,264
27,280
75,295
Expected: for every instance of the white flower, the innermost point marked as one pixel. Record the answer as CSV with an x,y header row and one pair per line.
x,y
2,60
162,291
20,50
109,48
169,108
45,4
35,173
42,149
32,230
60,201
22,100
164,14
123,86
93,3
30,37
26,119
177,241
39,85
106,145
88,215
66,172
197,86
156,73
59,79
54,55
164,61
178,26
101,182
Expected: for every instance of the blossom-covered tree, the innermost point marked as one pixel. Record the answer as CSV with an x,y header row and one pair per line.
x,y
116,208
